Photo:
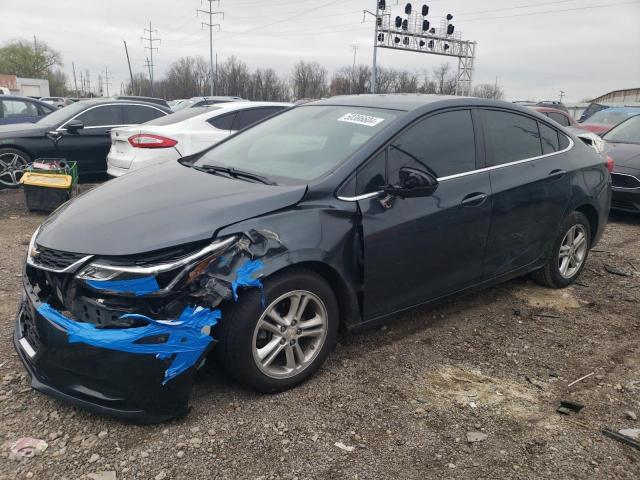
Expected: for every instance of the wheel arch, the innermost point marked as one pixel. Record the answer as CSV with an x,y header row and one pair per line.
x,y
591,213
16,147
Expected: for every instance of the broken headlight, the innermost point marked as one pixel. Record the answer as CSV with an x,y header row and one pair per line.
x,y
145,279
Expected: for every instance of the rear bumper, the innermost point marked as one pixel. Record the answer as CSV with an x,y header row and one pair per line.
x,y
627,200
104,381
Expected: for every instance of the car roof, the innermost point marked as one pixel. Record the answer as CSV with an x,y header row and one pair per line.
x,y
221,108
622,109
195,99
20,97
548,110
98,101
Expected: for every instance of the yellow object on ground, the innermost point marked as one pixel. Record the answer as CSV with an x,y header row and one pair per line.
x,y
48,180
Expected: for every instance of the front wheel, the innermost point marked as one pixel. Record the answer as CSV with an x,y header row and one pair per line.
x,y
569,253
276,345
13,164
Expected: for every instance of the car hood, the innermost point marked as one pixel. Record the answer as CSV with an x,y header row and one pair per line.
x,y
624,154
155,208
14,130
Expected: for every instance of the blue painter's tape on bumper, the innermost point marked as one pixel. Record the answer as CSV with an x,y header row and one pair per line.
x,y
183,340
245,277
135,286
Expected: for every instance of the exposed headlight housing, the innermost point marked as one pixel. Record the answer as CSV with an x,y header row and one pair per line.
x,y
143,280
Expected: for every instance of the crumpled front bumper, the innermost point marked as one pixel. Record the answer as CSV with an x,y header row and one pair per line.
x,y
106,381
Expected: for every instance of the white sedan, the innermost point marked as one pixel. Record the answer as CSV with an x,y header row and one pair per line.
x,y
182,133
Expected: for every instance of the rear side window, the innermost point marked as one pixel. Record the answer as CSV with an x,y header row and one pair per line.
x,y
246,118
18,109
102,116
443,144
223,122
510,137
558,117
140,114
549,138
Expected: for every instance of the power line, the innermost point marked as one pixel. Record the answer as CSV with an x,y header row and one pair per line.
x,y
211,13
515,7
151,48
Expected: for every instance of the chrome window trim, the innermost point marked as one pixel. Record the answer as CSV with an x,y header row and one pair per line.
x,y
625,175
472,172
62,129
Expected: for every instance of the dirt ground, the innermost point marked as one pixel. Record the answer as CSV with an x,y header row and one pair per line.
x,y
400,399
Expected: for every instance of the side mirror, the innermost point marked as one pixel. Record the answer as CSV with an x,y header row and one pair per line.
x,y
413,183
74,125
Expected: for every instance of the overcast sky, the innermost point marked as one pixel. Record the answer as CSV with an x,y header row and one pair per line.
x,y
584,47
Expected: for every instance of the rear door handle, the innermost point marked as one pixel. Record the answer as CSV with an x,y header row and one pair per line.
x,y
557,174
474,199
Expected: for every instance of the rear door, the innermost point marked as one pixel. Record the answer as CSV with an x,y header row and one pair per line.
x,y
416,249
90,145
530,180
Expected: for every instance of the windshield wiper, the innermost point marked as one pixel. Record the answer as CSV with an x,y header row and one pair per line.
x,y
235,173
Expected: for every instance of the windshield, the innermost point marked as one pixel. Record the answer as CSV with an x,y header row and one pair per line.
x,y
609,116
626,132
300,144
62,114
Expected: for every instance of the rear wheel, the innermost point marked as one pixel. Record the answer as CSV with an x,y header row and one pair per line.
x,y
275,346
12,166
569,253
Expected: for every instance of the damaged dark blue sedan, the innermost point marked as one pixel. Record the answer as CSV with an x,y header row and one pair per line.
x,y
332,215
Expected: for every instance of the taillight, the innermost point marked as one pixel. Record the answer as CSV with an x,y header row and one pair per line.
x,y
609,163
147,140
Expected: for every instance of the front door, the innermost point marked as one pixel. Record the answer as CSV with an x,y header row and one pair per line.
x,y
90,145
417,249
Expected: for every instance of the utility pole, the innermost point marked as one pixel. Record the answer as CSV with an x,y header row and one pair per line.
x,y
106,79
151,48
211,13
149,66
353,69
88,77
82,83
75,82
126,50
375,43
561,95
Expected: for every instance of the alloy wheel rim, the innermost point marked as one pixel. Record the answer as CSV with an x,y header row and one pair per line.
x,y
573,250
12,166
289,334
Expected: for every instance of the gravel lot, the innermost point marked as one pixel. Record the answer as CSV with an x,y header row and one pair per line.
x,y
400,399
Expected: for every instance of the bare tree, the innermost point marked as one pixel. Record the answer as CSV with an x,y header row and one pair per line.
x,y
488,90
309,80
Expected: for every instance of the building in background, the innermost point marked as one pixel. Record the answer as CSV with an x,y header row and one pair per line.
x,y
630,95
29,87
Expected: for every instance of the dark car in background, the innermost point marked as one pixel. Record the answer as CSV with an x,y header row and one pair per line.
x,y
604,120
16,109
79,132
559,116
623,146
336,213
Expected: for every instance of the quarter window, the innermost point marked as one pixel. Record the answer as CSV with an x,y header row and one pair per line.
x,y
371,177
102,116
247,118
137,114
223,122
549,138
443,145
511,137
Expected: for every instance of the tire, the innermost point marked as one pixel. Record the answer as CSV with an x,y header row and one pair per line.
x,y
553,274
242,342
12,163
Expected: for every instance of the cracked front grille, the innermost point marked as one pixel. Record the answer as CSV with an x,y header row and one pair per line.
x,y
624,181
55,259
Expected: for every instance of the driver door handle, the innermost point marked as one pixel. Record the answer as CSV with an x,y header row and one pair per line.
x,y
474,199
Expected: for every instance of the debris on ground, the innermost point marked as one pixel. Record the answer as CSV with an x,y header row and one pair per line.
x,y
473,437
27,447
625,436
580,379
631,415
571,405
616,271
346,448
537,383
109,475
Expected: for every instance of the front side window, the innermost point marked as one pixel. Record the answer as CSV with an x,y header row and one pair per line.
x,y
301,144
102,116
443,145
510,137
